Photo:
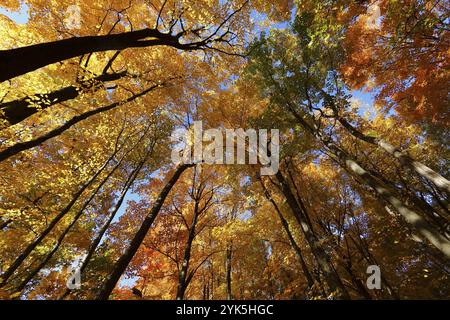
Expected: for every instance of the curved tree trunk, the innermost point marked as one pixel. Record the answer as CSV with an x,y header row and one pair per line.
x,y
19,61
18,110
414,220
422,170
292,241
21,146
332,279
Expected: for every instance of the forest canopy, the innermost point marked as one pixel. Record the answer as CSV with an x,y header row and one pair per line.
x,y
91,92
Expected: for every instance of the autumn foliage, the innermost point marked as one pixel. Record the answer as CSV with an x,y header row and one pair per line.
x,y
358,90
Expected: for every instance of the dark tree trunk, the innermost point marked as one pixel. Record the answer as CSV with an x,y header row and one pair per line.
x,y
183,273
121,264
292,241
228,270
19,61
331,277
60,240
116,208
358,283
18,110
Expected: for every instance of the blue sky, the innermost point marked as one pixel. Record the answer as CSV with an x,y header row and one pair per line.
x,y
20,16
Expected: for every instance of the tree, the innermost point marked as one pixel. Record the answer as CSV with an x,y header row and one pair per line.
x,y
90,94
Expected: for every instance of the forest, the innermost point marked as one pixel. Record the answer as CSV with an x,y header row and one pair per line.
x,y
352,96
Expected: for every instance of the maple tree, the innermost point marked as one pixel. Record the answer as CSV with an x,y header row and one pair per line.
x,y
87,179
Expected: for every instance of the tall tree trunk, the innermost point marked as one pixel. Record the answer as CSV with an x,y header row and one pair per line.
x,y
299,197
98,238
60,240
414,220
332,279
121,264
363,247
21,146
292,241
365,252
183,273
228,269
410,198
212,287
422,170
357,283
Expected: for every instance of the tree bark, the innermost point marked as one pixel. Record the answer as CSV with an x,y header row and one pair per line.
x,y
414,220
360,288
127,187
114,211
331,277
19,61
183,273
120,266
292,241
18,110
422,170
228,270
